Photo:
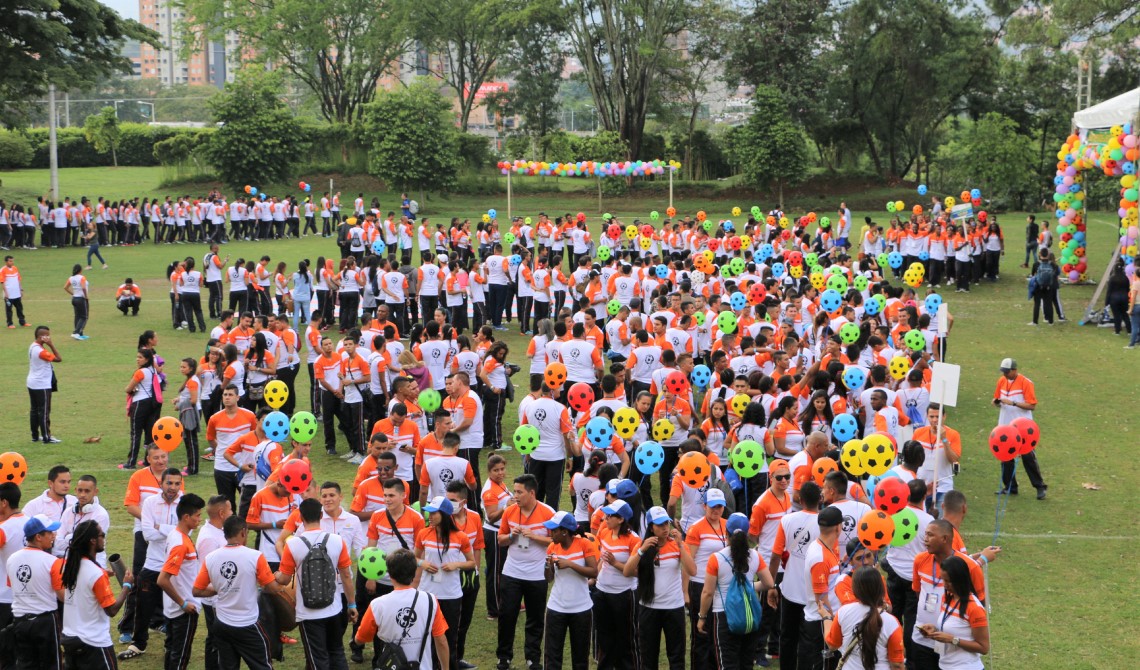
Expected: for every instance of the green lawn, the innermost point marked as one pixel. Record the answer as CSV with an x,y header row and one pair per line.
x,y
1056,590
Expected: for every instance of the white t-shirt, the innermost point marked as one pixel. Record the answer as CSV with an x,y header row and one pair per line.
x,y
235,572
295,553
796,534
29,577
83,615
723,570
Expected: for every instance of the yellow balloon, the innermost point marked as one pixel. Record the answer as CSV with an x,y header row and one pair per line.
x,y
745,241
950,202
631,231
796,271
1128,180
899,205
486,218
878,454
817,281
899,367
663,429
739,403
646,242
709,255
785,223
626,420
852,457
736,211
276,393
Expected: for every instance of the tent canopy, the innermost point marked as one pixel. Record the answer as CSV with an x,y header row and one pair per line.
x,y
1117,111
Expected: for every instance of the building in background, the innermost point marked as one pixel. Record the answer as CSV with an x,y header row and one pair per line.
x,y
213,65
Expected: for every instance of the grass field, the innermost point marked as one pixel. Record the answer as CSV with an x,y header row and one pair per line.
x,y
1059,590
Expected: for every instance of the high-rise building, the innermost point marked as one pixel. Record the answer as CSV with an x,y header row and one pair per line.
x,y
213,64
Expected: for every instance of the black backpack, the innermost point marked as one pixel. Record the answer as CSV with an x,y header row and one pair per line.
x,y
1046,276
318,575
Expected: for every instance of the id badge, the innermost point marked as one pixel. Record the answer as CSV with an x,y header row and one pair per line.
x,y
931,603
940,648
437,576
524,542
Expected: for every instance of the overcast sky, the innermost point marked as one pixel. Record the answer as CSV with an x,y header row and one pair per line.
x,y
128,8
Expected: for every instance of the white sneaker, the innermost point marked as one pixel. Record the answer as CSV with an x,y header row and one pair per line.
x,y
1031,324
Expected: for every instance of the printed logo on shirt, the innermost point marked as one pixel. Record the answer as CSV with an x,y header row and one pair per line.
x,y
406,618
802,537
446,476
229,572
24,575
848,523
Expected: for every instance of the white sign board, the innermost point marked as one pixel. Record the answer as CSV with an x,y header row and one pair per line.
x,y
943,320
961,212
944,384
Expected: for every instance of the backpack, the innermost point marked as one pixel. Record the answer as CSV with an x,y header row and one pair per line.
x,y
264,468
1046,276
741,604
318,575
413,207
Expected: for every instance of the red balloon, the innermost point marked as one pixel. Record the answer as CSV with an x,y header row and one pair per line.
x,y
795,258
756,293
646,230
580,396
614,231
734,243
1029,433
677,383
295,476
714,244
1005,442
581,217
891,495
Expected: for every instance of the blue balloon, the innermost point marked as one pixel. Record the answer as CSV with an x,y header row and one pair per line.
x,y
923,256
845,427
922,189
308,187
649,457
975,193
701,376
263,196
599,431
895,260
492,213
778,270
733,480
738,301
1129,168
516,260
854,378
1058,180
253,190
764,252
933,302
378,247
1075,188
871,307
830,300
276,426
662,271
728,227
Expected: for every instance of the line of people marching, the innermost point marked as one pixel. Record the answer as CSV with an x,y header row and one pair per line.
x,y
782,363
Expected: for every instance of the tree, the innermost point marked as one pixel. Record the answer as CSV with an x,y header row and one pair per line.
x,y
103,132
184,102
338,49
624,46
769,148
1059,22
537,72
470,36
258,140
411,139
69,43
992,155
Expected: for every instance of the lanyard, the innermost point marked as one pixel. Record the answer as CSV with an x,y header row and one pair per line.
x,y
947,612
934,580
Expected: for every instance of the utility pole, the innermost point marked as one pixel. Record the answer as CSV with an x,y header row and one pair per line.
x,y
53,154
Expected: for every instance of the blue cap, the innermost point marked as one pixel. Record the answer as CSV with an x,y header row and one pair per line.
x,y
657,516
440,504
40,523
562,520
737,523
619,508
715,498
621,488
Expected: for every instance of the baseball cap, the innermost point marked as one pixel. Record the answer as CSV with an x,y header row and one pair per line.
x,y
442,258
777,464
737,522
440,504
714,498
1008,364
619,508
830,517
561,520
657,515
621,488
40,523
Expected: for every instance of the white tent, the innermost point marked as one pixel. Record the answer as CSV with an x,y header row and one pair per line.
x,y
1117,111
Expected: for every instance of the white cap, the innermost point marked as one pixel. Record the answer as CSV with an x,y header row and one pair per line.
x,y
1008,364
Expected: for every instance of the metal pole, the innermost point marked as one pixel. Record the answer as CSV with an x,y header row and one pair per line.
x,y
53,154
671,171
67,110
599,195
509,195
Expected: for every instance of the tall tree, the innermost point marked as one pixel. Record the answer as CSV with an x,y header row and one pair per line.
x,y
624,46
258,140
1058,22
466,38
338,49
537,73
992,155
103,132
69,43
770,149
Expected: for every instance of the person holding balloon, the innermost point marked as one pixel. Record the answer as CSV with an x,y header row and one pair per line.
x,y
1016,398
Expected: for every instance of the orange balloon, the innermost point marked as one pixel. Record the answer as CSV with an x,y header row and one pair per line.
x,y
671,212
13,468
917,209
167,433
701,216
876,530
555,375
821,467
694,469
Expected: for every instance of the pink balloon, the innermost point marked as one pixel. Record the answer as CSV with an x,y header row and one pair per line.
x,y
1134,231
1067,181
1071,171
1129,141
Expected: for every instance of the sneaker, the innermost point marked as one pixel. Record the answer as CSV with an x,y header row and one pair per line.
x,y
763,662
1031,324
26,325
357,656
75,336
36,439
131,652
1130,346
492,618
126,638
466,665
125,466
346,456
11,326
52,440
207,457
285,639
1041,493
356,459
85,337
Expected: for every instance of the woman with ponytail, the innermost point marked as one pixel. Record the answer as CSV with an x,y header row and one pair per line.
x,y
867,637
88,603
658,565
733,651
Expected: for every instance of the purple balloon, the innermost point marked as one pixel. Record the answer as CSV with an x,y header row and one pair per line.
x,y
1074,275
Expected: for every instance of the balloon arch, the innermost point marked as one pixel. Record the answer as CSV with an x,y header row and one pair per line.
x,y
1116,155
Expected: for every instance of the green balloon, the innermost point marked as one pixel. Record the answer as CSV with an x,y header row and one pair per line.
x,y
860,283
509,238
725,270
811,259
613,307
303,426
527,220
837,282
825,222
429,400
372,564
736,265
756,211
891,207
699,317
816,270
881,299
849,333
607,216
906,527
654,215
726,321
603,253
882,260
526,439
915,340
708,225
747,458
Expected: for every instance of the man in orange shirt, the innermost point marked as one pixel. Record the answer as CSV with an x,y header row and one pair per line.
x,y
1016,398
822,565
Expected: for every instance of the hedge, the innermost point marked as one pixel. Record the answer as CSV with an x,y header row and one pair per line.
x,y
136,148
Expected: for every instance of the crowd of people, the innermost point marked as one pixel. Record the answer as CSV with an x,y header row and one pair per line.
x,y
797,341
